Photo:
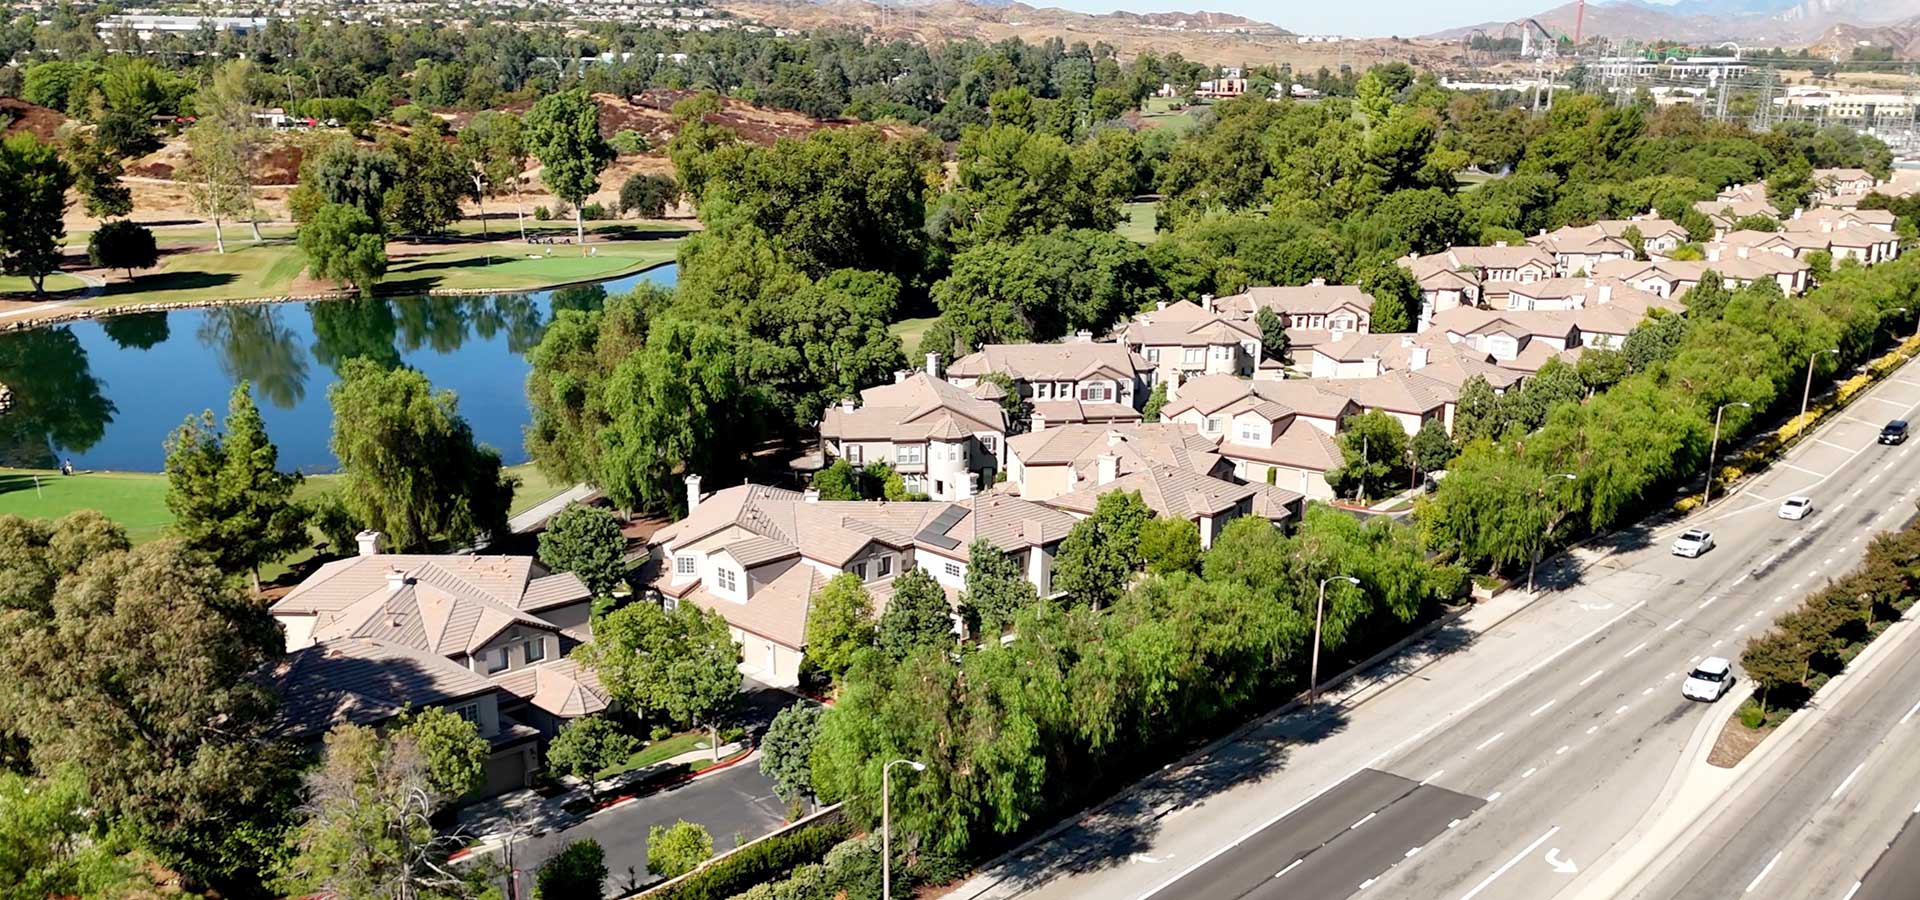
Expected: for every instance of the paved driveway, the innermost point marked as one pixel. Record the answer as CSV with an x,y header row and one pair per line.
x,y
738,800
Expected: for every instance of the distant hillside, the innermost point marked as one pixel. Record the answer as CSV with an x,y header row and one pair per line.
x,y
1841,40
1760,22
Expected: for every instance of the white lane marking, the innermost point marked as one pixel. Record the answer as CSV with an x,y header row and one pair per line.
x,y
1489,741
1410,853
1796,585
1672,625
1451,824
1523,854
1435,776
1593,729
1289,867
1787,465
1910,712
1847,781
1856,493
1363,820
1418,735
1694,659
1542,708
1529,773
1623,708
1737,581
1493,796
1563,748
1763,872
1646,692
1715,644
1636,649
1706,603
1589,679
1852,891
1826,562
1366,884
1776,599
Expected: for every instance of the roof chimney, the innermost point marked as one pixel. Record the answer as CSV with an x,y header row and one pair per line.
x,y
1417,359
933,364
1318,282
1160,305
369,542
1032,532
1114,438
1109,468
396,580
900,377
810,495
1606,294
846,404
693,493
1083,336
1499,243
1206,302
1039,422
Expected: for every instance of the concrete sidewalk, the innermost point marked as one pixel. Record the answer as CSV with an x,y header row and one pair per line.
x,y
537,516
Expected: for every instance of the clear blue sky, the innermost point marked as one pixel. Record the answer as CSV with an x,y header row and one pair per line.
x,y
1357,18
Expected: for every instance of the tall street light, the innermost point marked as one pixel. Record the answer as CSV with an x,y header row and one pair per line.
x,y
1807,393
1714,448
1319,618
1541,495
886,823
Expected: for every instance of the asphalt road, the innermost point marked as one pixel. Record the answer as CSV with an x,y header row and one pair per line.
x,y
1548,734
737,801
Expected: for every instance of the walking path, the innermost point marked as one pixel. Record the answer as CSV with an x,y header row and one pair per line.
x,y
546,509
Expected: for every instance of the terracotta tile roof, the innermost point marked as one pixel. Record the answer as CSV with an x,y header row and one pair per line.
x,y
1314,298
1078,411
1066,361
1522,323
1860,236
776,610
553,590
1581,239
447,605
364,682
1169,491
1006,522
1455,364
1299,446
1402,392
1275,504
920,408
1536,354
1137,445
1210,394
562,688
343,582
1176,327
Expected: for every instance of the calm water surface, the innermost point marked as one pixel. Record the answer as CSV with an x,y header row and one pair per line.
x,y
106,393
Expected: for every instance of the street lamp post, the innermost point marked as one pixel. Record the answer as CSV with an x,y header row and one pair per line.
x,y
1807,393
1714,448
886,823
1539,495
1319,617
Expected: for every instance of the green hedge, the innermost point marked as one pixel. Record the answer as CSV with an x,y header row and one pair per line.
x,y
760,861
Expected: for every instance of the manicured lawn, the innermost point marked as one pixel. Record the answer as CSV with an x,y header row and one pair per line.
x,y
1158,112
909,332
657,751
137,500
56,283
1141,219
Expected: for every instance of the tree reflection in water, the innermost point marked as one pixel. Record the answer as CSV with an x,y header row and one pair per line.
x,y
253,343
57,402
349,329
136,331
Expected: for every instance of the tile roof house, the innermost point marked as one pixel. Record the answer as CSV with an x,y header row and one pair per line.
x,y
1276,432
376,633
1723,213
1070,382
1514,338
1315,305
1580,248
757,555
1671,278
1063,459
1175,492
1833,184
1184,339
1475,276
944,440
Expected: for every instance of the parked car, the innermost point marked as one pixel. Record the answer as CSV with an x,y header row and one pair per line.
x,y
1709,681
1796,508
1894,433
1692,543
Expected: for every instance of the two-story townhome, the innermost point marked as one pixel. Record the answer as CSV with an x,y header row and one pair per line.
x,y
1827,219
758,555
1725,213
1273,432
1491,271
944,440
1672,278
1071,382
1747,242
1658,236
1834,184
503,619
1182,340
1061,460
1337,354
1443,285
1582,293
1176,492
1578,249
1408,396
1316,305
1867,246
1516,339
1742,193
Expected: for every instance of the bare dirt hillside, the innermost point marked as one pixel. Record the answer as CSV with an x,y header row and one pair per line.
x,y
19,116
1207,37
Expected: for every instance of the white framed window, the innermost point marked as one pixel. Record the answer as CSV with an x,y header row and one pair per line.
x,y
1153,354
1213,423
1194,355
683,564
909,454
854,454
860,570
953,570
883,566
535,650
1043,390
1063,389
1247,432
498,660
469,712
729,579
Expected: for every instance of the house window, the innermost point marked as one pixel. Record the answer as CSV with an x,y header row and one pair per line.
x,y
1098,392
1247,432
729,579
1063,390
1043,390
1153,354
498,661
1194,356
683,564
860,570
854,453
990,443
536,650
953,570
1213,423
883,566
469,712
909,454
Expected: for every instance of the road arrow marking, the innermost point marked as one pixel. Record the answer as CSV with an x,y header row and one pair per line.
x,y
1563,866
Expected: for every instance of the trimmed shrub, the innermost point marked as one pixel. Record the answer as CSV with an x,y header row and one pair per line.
x,y
760,862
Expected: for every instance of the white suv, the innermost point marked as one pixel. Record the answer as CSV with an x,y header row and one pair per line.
x,y
1708,682
1692,543
1796,508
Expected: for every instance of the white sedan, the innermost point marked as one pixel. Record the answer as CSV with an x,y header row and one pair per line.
x,y
1692,543
1796,508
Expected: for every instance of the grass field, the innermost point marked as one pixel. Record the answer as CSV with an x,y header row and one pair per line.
x,y
138,500
1139,223
56,284
909,332
1158,112
656,752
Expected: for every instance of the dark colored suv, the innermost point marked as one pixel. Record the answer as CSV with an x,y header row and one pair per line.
x,y
1894,433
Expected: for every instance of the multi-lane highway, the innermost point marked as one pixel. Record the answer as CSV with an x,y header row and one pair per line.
x,y
1507,765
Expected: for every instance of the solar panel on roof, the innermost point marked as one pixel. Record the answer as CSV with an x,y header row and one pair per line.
x,y
935,532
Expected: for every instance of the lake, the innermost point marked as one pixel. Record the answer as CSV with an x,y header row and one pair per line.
x,y
107,392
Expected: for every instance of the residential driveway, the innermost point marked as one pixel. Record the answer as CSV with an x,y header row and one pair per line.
x,y
735,801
